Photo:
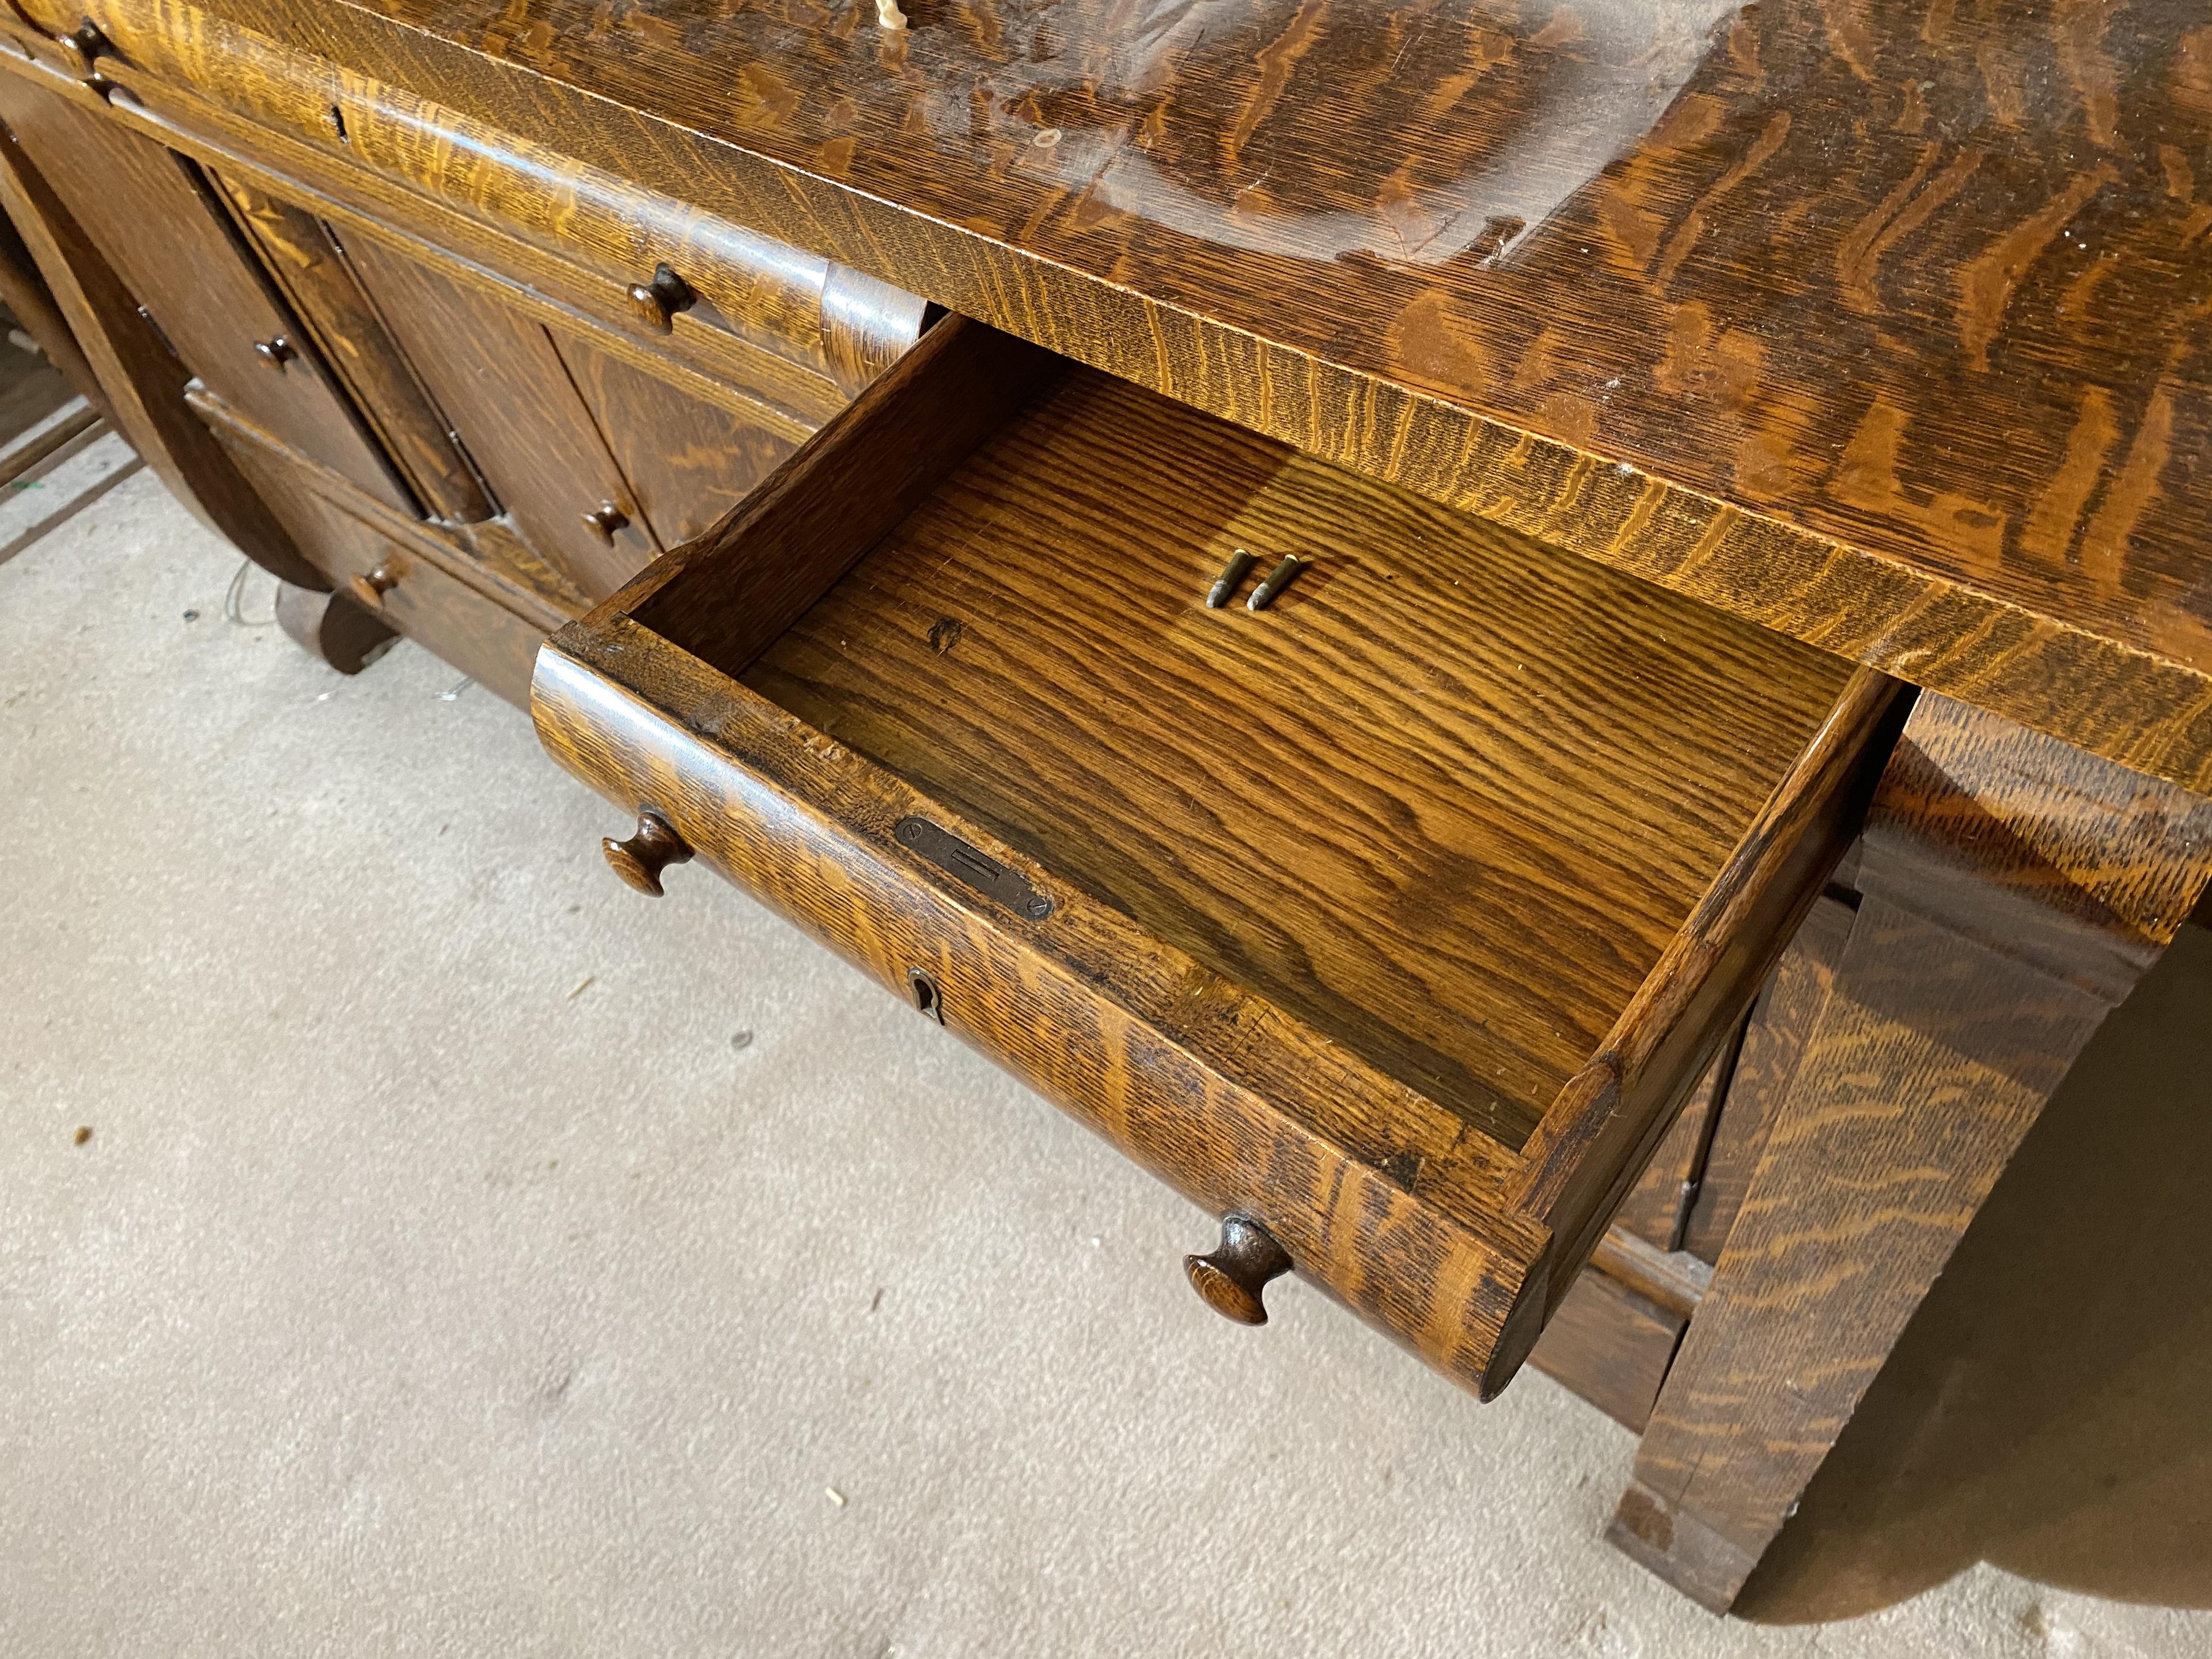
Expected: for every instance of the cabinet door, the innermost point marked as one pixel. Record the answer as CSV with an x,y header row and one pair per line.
x,y
154,217
497,374
308,263
687,461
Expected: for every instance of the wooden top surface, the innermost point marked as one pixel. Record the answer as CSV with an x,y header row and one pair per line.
x,y
1447,799
1887,323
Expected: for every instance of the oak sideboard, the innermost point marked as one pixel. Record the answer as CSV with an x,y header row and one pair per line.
x,y
1557,659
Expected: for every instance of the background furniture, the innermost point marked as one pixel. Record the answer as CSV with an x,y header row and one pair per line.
x,y
459,315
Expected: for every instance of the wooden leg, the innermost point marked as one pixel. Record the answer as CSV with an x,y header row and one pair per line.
x,y
2014,891
332,627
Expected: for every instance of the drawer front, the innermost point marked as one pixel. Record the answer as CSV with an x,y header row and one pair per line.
x,y
601,433
1176,1068
721,278
489,644
499,376
485,641
161,228
687,462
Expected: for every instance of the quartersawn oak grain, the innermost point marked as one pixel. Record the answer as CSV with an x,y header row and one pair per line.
x,y
491,644
687,461
482,557
309,266
1891,336
1453,869
2013,892
169,237
481,360
1410,803
1774,1041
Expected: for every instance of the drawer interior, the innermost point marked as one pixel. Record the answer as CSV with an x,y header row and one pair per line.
x,y
1446,801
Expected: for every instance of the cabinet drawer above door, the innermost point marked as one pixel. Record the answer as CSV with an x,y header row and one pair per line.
x,y
1395,917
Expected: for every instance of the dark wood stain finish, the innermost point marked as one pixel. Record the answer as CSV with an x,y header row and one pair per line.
x,y
1782,1024
141,376
1413,923
1232,1278
492,646
1337,803
332,627
686,461
1611,1346
499,376
640,857
1657,1210
484,556
169,237
24,291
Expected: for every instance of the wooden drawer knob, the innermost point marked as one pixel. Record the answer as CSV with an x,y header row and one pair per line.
x,y
1238,1270
85,44
640,860
277,352
371,589
604,519
659,301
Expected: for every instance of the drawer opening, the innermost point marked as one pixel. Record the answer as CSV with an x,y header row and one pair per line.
x,y
1445,801
1399,915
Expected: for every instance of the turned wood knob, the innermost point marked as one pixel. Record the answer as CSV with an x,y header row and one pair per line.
x,y
1232,1277
640,860
659,301
85,44
275,352
371,589
604,519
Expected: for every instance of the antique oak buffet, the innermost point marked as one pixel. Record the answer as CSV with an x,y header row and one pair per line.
x,y
1554,924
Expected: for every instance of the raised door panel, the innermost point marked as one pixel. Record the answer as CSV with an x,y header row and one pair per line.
x,y
155,220
500,380
688,460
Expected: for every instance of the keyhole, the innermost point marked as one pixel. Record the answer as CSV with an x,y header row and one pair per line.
x,y
926,997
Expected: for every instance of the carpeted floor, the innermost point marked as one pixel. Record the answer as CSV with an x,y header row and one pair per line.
x,y
470,1257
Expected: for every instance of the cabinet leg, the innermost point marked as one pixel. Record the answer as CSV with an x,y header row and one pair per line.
x,y
2014,890
332,627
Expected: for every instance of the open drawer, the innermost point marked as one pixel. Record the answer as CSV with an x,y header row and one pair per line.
x,y
1396,918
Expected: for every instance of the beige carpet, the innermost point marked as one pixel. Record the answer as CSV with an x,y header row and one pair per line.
x,y
471,1257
